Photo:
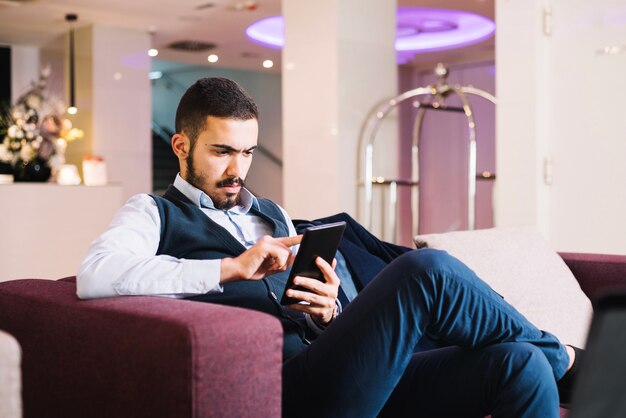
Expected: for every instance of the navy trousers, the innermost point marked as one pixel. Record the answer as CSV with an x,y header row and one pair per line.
x,y
367,363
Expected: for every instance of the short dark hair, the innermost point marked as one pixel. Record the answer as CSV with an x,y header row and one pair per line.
x,y
212,96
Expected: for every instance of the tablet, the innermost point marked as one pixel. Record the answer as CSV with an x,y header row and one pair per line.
x,y
317,241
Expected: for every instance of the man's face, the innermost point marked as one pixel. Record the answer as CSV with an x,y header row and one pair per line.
x,y
221,158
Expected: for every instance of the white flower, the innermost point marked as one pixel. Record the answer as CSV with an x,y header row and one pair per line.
x,y
12,131
45,71
5,155
56,161
27,153
23,139
33,101
60,145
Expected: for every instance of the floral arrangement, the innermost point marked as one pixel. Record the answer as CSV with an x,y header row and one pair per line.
x,y
33,130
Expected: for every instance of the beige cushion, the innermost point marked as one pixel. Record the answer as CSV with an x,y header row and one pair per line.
x,y
10,377
519,264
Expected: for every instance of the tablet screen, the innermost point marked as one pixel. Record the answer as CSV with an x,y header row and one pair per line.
x,y
317,241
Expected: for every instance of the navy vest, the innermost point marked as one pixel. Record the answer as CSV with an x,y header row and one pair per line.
x,y
186,232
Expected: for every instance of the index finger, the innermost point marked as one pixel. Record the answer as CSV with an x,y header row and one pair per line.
x,y
290,241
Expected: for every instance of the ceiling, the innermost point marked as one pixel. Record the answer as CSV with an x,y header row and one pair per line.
x,y
222,22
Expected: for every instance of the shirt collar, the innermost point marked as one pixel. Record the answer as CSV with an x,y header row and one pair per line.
x,y
201,199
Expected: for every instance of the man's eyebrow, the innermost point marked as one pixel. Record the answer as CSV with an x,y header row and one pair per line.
x,y
231,149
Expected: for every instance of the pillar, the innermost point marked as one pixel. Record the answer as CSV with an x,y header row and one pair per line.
x,y
338,62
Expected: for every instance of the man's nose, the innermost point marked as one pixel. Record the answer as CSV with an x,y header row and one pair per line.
x,y
234,166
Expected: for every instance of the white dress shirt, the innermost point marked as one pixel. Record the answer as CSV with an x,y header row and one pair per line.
x,y
123,260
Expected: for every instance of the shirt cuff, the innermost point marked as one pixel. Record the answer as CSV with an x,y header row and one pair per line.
x,y
201,276
318,328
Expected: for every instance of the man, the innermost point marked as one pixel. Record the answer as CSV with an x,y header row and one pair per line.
x,y
209,239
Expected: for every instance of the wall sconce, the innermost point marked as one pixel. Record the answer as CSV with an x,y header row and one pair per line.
x,y
71,18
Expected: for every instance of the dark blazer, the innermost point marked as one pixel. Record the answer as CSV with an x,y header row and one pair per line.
x,y
365,254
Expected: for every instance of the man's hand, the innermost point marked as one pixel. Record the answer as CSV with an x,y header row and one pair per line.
x,y
268,256
320,297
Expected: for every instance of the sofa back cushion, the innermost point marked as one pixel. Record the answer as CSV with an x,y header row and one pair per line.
x,y
518,263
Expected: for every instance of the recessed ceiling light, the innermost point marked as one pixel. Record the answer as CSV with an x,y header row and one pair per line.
x,y
213,58
268,64
153,52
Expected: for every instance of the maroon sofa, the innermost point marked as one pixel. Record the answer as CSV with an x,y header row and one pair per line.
x,y
158,357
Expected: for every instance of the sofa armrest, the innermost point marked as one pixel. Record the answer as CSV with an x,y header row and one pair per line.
x,y
597,273
140,356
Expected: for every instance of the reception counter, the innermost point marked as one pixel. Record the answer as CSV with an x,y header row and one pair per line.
x,y
45,228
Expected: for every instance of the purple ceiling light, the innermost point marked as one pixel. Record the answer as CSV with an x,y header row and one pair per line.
x,y
418,30
425,30
269,32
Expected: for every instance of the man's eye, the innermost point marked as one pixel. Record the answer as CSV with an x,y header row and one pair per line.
x,y
223,152
248,153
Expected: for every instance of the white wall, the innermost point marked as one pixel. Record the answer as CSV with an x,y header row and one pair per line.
x,y
588,91
561,99
331,79
47,228
24,69
121,99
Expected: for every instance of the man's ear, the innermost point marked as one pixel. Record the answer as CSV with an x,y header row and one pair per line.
x,y
181,146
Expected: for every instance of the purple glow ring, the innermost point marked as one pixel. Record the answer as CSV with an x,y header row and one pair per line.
x,y
419,30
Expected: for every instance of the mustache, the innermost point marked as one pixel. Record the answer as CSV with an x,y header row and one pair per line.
x,y
232,181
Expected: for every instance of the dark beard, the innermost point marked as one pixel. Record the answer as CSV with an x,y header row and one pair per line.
x,y
232,199
196,180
